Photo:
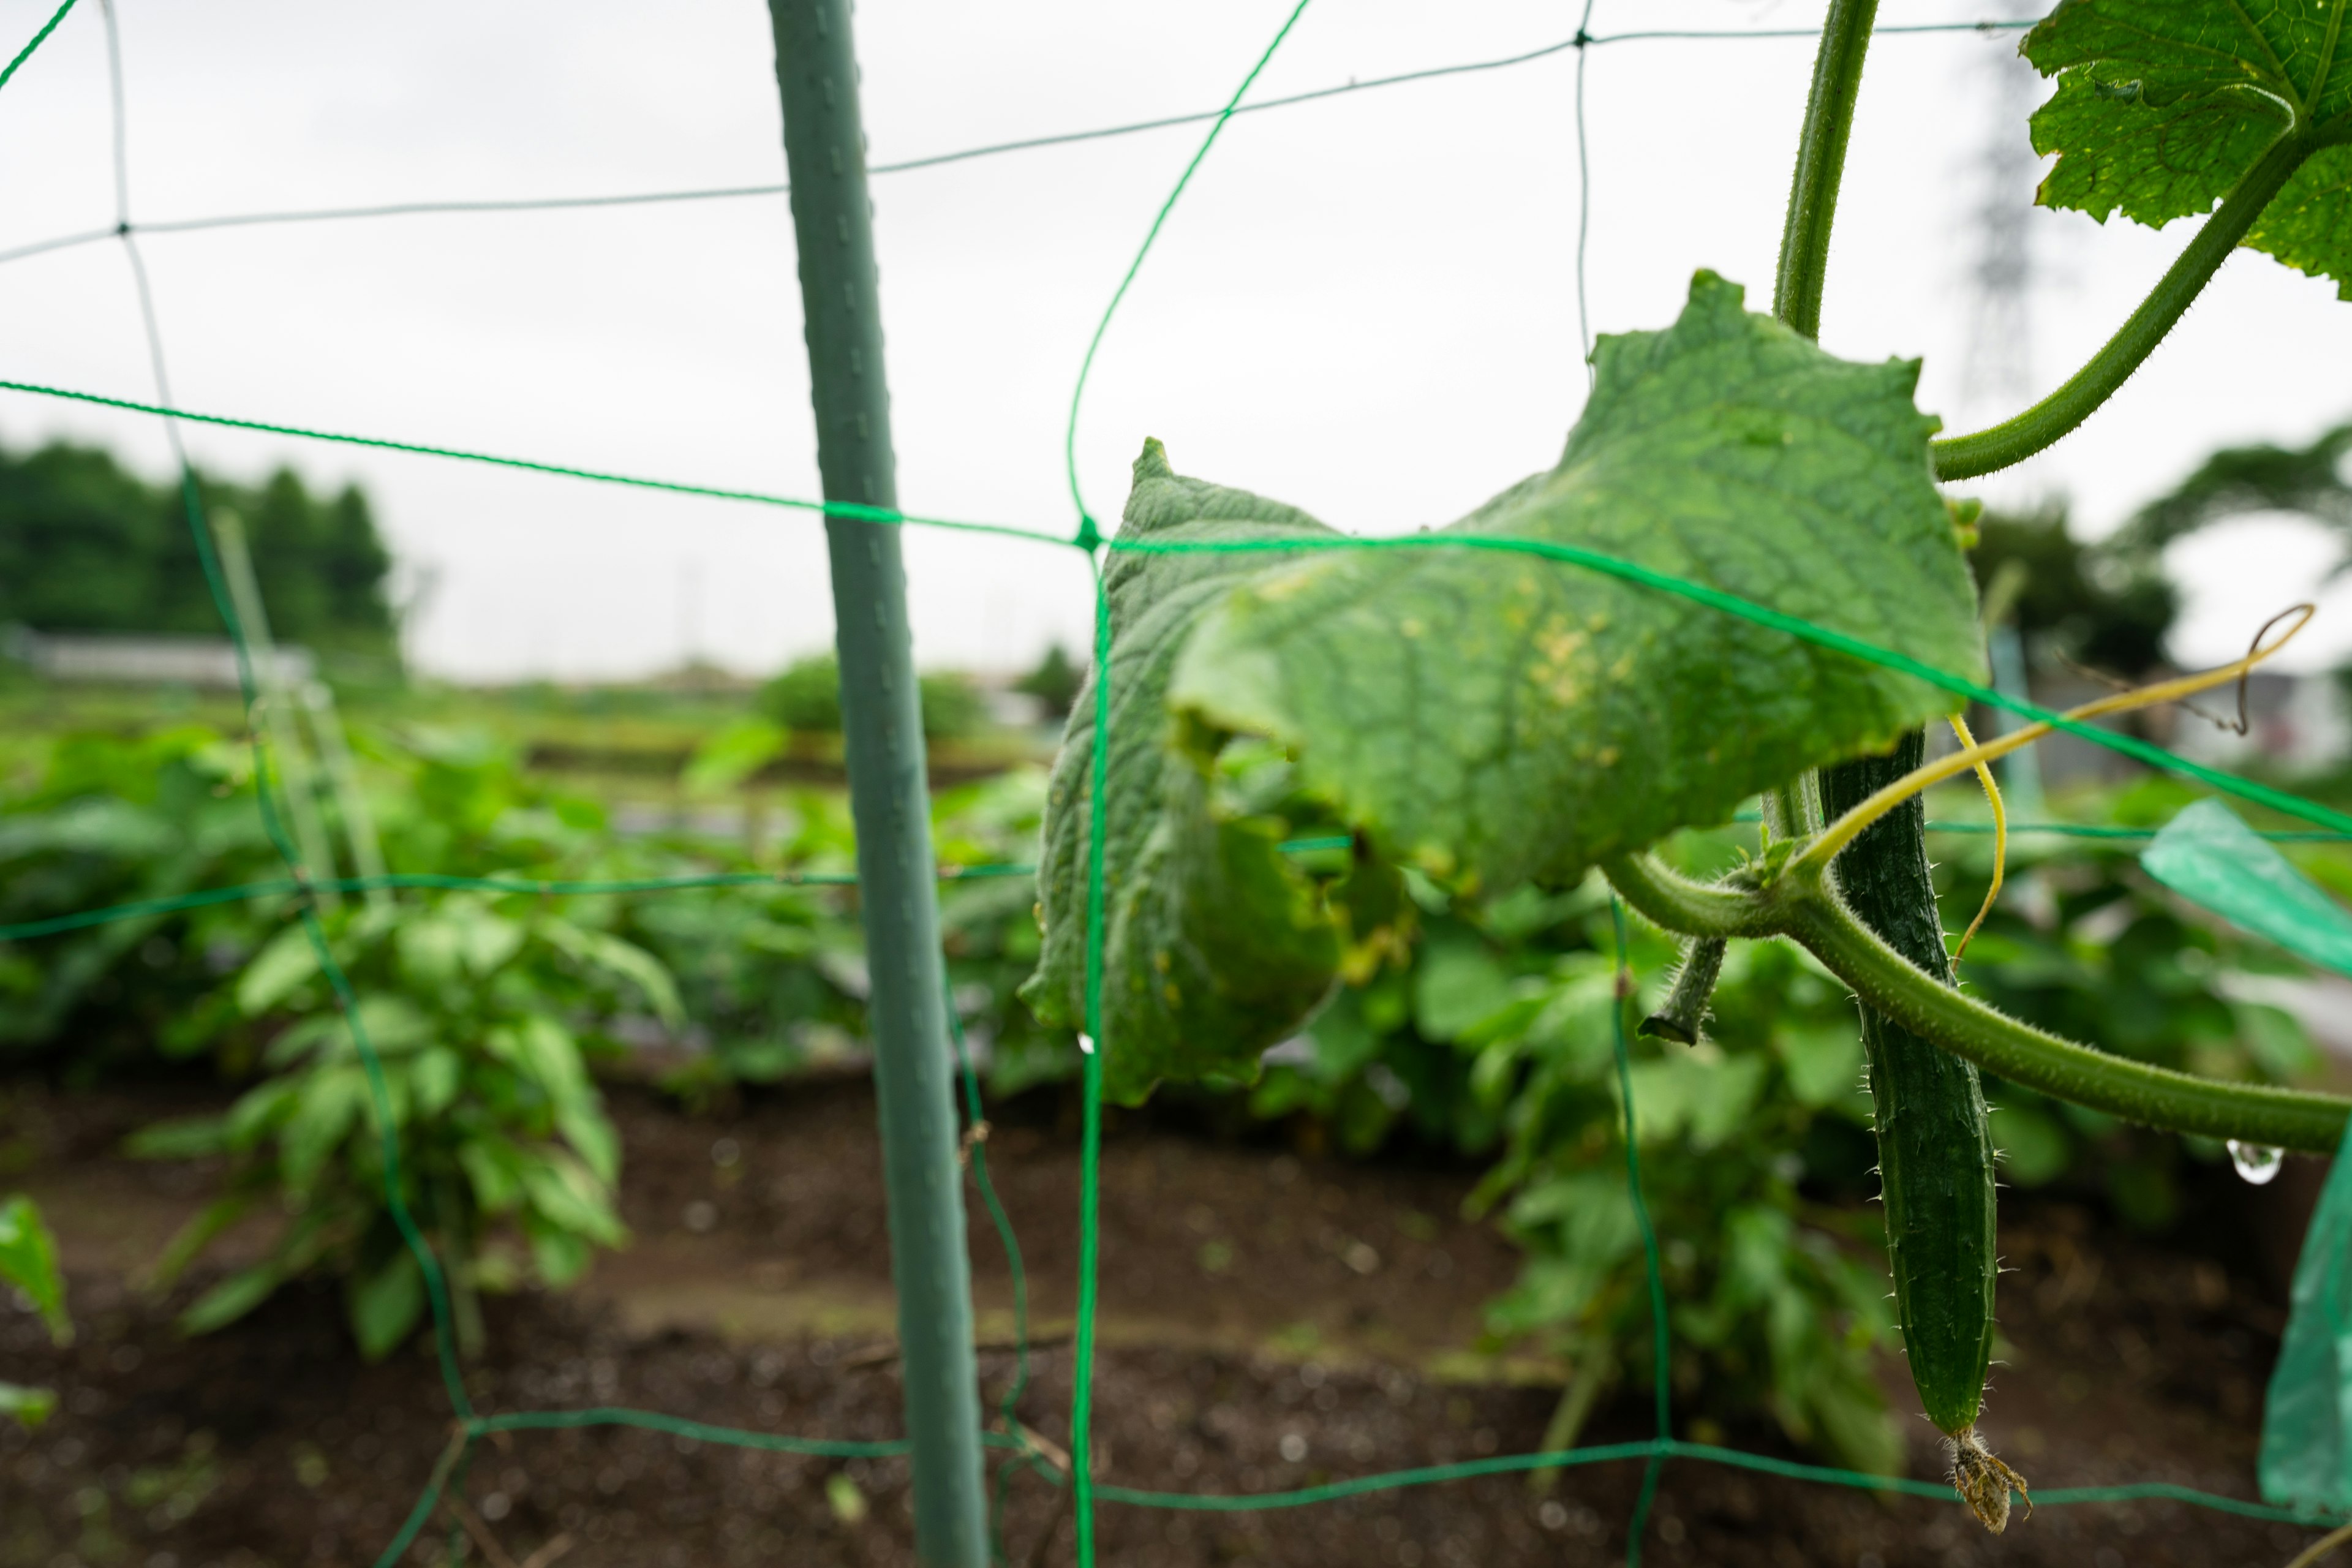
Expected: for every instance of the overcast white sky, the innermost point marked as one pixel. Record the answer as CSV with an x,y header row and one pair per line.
x,y
1363,306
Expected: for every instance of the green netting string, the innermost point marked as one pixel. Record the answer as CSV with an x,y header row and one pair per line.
x,y
855,511
1092,1041
557,887
1797,626
1088,534
39,39
1714,598
1661,1331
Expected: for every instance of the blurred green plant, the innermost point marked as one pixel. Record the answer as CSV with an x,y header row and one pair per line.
x,y
479,1012
1055,682
2097,605
111,819
1494,1036
806,700
1477,1025
28,1264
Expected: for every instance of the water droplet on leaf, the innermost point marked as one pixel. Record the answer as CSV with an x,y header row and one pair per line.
x,y
2257,1162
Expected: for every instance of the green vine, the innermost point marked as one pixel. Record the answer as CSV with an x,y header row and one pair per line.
x,y
1802,906
2048,422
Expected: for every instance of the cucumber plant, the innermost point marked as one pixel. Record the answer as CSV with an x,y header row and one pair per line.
x,y
1550,685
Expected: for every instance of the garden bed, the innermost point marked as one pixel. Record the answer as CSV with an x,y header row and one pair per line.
x,y
1271,1321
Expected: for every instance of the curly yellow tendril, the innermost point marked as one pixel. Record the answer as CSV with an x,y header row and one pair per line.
x,y
2000,838
1824,848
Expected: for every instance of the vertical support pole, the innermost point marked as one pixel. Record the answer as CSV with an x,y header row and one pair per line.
x,y
278,701
825,148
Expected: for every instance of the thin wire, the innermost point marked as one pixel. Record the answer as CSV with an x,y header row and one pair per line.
x,y
976,1145
1082,1370
1088,532
544,888
1722,34
1703,1453
206,898
932,161
1660,1331
1583,197
856,511
39,39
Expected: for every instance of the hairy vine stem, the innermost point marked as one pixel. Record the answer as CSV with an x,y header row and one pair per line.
x,y
1801,906
2047,422
1821,165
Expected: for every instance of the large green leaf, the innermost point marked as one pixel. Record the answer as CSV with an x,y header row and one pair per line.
x,y
1484,711
2162,105
1215,944
1497,716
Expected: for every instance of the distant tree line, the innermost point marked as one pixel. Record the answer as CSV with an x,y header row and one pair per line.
x,y
88,546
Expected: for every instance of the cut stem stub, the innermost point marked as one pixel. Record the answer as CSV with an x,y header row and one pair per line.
x,y
1683,1015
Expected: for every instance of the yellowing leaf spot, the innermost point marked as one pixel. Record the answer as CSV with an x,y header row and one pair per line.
x,y
1554,672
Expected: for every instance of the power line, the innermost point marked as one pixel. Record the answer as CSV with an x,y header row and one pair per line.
x,y
1578,42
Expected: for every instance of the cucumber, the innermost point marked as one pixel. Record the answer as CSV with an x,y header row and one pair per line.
x,y
1934,1150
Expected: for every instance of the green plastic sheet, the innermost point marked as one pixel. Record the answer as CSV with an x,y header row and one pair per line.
x,y
2306,1456
2210,858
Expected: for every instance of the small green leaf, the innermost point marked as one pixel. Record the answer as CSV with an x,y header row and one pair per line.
x,y
433,1079
29,1407
544,1051
330,1102
183,1138
727,758
384,1306
621,960
2033,1148
286,962
1487,713
230,1299
2163,105
197,1234
1457,985
494,1167
591,1138
565,1193
558,1254
1823,1061
28,1261
460,940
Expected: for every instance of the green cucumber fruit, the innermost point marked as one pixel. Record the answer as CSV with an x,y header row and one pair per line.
x,y
1934,1151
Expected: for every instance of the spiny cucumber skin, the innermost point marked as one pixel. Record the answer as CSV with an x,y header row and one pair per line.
x,y
1935,1151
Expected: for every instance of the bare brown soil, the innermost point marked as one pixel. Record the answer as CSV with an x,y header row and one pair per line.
x,y
1270,1321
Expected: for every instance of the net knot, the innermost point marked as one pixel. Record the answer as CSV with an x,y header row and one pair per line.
x,y
1089,536
1581,40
